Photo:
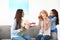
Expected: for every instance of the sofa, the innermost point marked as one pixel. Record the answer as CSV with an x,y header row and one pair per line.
x,y
5,32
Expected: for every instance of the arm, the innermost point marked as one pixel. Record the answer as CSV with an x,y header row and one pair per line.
x,y
53,19
13,31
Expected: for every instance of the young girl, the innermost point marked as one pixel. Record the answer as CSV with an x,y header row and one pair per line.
x,y
16,28
54,21
44,26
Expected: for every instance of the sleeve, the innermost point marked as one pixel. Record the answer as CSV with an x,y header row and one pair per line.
x,y
13,31
13,26
53,19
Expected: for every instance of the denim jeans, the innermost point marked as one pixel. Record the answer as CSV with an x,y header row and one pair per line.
x,y
41,37
18,38
25,37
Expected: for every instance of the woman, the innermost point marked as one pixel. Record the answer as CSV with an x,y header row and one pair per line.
x,y
54,21
15,29
44,26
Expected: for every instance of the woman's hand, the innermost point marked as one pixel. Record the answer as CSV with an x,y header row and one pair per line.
x,y
40,18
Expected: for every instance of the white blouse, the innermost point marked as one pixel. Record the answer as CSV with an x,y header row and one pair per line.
x,y
43,31
13,31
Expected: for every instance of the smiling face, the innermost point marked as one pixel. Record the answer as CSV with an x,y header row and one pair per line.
x,y
44,14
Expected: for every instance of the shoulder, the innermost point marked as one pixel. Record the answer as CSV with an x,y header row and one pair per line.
x,y
54,17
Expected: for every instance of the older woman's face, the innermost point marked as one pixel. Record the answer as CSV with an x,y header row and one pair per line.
x,y
43,14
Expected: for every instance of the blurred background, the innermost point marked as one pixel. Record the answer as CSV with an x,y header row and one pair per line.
x,y
31,9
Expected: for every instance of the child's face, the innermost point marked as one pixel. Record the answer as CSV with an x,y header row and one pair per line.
x,y
51,13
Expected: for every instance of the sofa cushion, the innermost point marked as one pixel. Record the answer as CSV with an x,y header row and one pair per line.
x,y
5,31
33,31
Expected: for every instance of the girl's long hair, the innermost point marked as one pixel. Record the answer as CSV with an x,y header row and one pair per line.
x,y
56,15
18,18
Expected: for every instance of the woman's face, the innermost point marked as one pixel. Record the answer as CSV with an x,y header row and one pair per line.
x,y
43,14
51,13
22,14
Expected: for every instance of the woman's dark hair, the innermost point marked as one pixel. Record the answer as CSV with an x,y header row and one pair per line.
x,y
56,15
18,18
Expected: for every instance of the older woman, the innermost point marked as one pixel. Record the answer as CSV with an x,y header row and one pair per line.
x,y
43,26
